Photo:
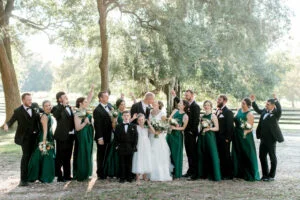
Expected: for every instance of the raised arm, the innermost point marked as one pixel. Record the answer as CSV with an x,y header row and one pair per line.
x,y
57,111
278,107
90,95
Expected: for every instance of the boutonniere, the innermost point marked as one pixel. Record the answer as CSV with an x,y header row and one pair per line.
x,y
271,115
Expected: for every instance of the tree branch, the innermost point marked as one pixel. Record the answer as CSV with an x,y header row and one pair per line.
x,y
32,24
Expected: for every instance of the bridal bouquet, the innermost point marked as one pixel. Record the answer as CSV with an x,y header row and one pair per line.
x,y
205,123
245,126
44,148
159,126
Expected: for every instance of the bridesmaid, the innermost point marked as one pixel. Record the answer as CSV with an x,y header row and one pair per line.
x,y
208,158
42,164
111,167
175,139
244,156
82,159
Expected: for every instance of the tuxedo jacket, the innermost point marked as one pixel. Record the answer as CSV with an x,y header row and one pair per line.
x,y
138,108
65,122
102,123
126,142
194,118
269,125
26,125
225,119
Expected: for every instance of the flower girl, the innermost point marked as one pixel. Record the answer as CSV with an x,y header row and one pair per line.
x,y
141,163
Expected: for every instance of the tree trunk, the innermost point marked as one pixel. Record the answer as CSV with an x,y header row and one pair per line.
x,y
103,64
8,74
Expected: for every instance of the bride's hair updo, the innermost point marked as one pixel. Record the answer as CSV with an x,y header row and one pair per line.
x,y
160,104
78,101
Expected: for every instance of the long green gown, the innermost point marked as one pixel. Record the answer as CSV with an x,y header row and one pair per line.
x,y
111,167
42,167
83,155
245,164
175,142
208,157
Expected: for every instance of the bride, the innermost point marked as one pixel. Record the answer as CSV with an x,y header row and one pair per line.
x,y
160,152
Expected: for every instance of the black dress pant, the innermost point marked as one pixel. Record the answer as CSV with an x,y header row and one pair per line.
x,y
28,146
264,150
63,158
190,142
225,158
125,163
102,151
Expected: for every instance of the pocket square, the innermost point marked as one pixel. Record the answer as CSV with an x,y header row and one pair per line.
x,y
221,116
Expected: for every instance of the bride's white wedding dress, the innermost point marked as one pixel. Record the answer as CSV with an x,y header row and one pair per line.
x,y
160,155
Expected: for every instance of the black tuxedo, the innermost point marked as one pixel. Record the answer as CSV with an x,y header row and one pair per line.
x,y
138,108
126,145
269,133
64,140
103,129
190,138
225,119
26,134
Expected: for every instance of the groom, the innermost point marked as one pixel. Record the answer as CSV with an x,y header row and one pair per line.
x,y
28,119
269,133
142,107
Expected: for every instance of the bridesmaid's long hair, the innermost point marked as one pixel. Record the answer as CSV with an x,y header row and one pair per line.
x,y
186,105
78,101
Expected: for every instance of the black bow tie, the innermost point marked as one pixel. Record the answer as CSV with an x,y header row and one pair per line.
x,y
28,108
126,124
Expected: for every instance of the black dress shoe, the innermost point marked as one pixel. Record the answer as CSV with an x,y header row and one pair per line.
x,y
23,183
122,181
129,180
264,178
61,180
269,179
186,175
193,178
68,178
101,178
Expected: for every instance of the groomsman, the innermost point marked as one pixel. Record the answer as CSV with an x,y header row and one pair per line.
x,y
191,134
224,136
28,120
269,133
64,137
126,138
103,131
142,106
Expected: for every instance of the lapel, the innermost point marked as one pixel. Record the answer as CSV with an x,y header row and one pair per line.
x,y
67,113
25,113
141,109
221,112
102,109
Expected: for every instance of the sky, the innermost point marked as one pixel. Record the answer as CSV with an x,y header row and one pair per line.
x,y
50,52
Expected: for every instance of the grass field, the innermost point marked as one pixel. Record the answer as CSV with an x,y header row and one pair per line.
x,y
286,185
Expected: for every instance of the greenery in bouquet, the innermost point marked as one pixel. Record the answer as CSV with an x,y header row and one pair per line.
x,y
245,126
81,113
